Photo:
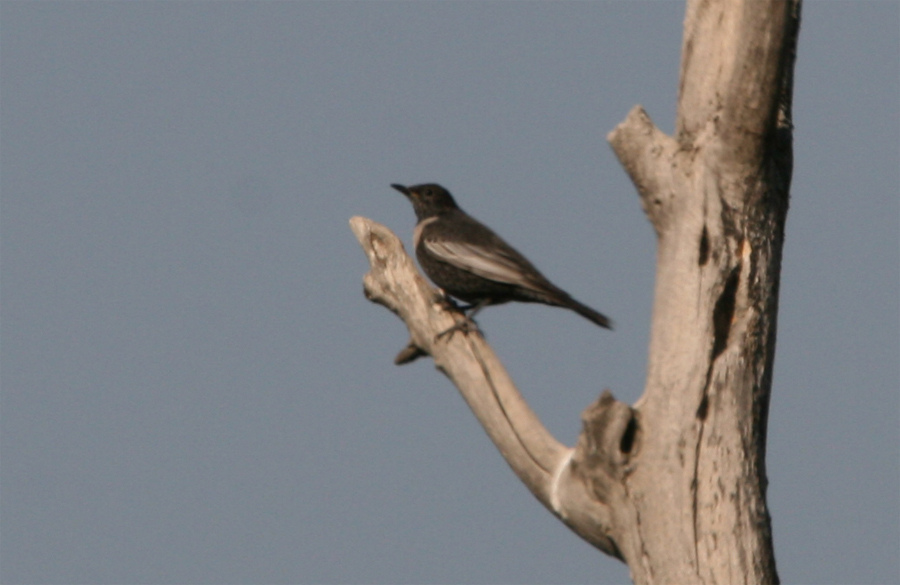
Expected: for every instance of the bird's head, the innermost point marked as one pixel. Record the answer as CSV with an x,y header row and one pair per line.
x,y
428,200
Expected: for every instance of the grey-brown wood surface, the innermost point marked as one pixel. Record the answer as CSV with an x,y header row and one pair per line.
x,y
675,485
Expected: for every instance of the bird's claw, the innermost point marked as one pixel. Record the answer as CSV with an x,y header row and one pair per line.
x,y
465,326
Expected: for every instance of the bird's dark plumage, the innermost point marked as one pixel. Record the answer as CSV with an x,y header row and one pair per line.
x,y
472,263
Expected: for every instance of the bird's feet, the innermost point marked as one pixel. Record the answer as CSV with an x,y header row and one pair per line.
x,y
466,326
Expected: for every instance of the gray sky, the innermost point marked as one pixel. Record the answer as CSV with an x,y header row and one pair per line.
x,y
194,389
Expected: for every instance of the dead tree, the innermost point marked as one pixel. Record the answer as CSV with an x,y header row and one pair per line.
x,y
675,485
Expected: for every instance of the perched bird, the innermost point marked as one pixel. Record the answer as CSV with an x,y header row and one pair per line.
x,y
472,263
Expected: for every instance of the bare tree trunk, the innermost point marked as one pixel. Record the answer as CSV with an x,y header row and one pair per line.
x,y
717,196
674,486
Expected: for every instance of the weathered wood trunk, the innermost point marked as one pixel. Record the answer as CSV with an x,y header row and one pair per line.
x,y
675,485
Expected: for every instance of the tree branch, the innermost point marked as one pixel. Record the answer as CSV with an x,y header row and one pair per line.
x,y
550,470
676,485
646,154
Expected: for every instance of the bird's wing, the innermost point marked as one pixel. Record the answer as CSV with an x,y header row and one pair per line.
x,y
492,263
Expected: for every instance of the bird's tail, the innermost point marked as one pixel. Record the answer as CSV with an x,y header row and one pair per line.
x,y
550,294
587,312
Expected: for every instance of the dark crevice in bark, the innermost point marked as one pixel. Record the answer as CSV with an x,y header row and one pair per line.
x,y
704,247
627,441
723,314
703,408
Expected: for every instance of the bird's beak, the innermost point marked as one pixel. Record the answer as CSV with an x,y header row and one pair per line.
x,y
402,189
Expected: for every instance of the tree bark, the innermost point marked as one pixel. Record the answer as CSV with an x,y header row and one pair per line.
x,y
674,486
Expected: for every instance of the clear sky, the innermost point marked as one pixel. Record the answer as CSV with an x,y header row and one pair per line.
x,y
194,389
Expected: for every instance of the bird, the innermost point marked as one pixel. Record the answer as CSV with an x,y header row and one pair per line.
x,y
470,262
